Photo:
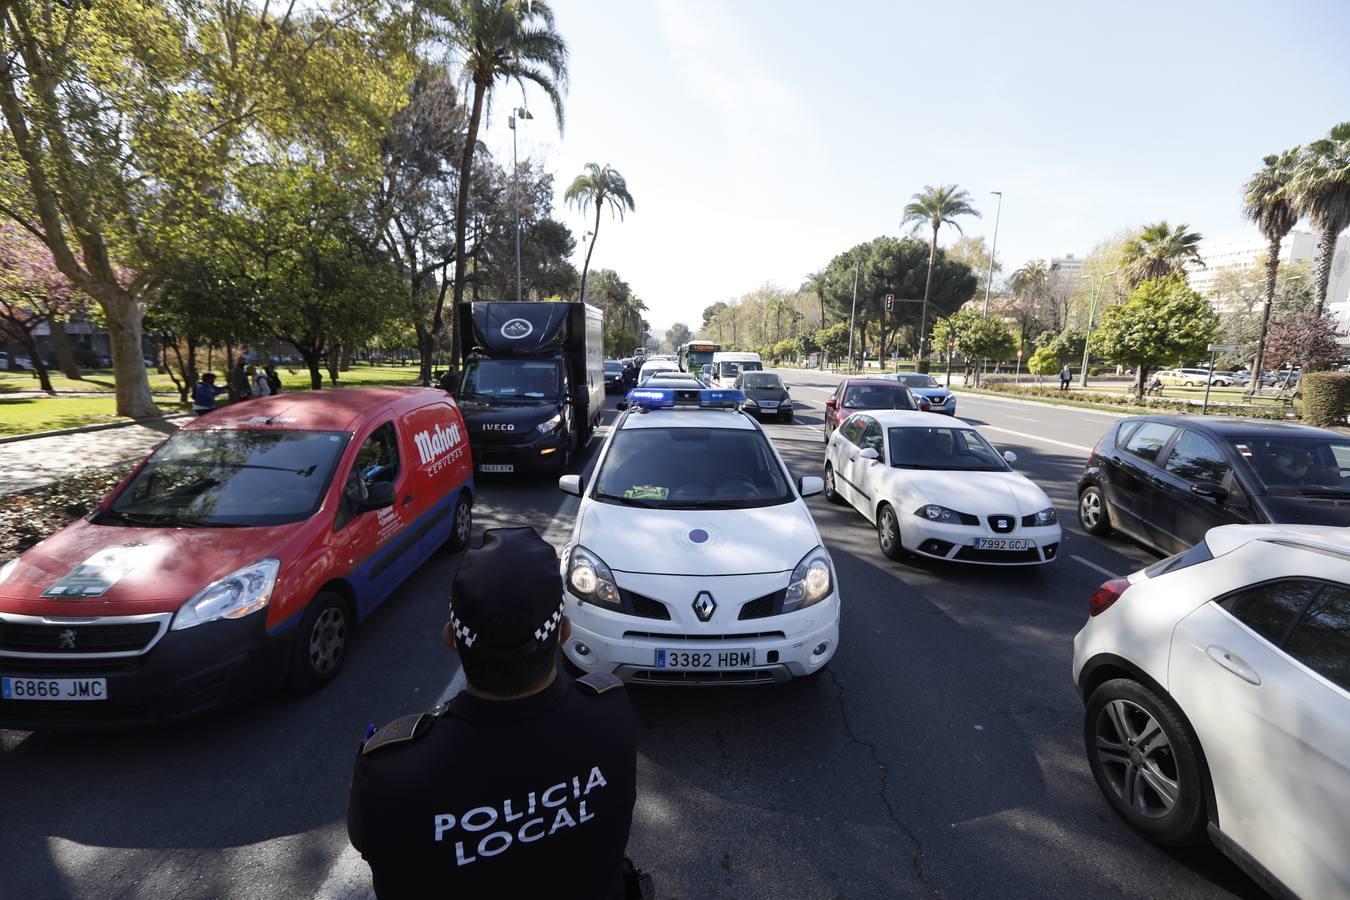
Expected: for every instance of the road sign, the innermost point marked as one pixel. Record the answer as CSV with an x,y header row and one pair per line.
x,y
890,302
1222,348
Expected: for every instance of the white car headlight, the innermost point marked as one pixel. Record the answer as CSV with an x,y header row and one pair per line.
x,y
546,427
589,580
1046,517
812,581
934,513
232,597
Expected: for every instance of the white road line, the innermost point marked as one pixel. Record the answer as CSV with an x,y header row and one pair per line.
x,y
1023,418
1037,437
1092,565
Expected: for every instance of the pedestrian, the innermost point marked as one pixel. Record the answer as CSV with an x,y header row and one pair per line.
x,y
238,382
204,394
273,379
522,785
258,381
1065,376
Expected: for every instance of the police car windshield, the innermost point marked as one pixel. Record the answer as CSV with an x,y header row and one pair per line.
x,y
511,381
950,449
1289,465
230,477
692,468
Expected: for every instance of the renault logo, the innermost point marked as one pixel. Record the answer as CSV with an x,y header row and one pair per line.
x,y
704,606
66,640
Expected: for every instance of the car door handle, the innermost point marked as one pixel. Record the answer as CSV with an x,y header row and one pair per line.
x,y
408,499
1157,482
1233,663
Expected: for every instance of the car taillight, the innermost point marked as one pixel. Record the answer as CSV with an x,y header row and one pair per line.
x,y
1104,596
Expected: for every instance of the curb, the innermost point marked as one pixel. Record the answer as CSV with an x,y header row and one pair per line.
x,y
85,429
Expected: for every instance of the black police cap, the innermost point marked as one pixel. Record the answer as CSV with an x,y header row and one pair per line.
x,y
507,594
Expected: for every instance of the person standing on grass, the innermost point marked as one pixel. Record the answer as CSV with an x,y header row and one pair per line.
x,y
238,382
204,394
273,379
1065,376
258,382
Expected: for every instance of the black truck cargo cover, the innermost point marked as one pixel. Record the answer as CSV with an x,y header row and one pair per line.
x,y
525,328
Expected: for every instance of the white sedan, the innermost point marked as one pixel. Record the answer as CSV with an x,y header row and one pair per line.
x,y
938,490
1217,692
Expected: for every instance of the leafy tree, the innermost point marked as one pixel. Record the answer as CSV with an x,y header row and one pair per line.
x,y
833,340
1031,287
935,207
499,40
974,252
1066,346
785,349
975,336
600,186
624,326
1043,362
1159,251
1320,188
1164,320
817,283
807,343
678,334
33,293
1308,339
1268,203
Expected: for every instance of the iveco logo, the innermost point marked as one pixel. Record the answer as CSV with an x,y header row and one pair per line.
x,y
499,426
515,329
66,640
704,606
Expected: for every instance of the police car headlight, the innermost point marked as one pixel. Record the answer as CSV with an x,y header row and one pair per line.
x,y
812,581
590,581
546,427
232,597
934,513
1047,517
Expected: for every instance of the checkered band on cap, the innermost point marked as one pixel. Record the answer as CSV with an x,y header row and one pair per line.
x,y
543,631
462,633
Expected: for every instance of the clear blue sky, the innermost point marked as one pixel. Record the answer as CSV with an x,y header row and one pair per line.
x,y
760,138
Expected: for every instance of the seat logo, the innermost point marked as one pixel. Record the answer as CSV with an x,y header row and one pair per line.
x,y
515,329
66,640
704,606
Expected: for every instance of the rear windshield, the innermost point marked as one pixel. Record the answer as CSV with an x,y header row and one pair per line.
x,y
1310,466
692,468
878,396
227,477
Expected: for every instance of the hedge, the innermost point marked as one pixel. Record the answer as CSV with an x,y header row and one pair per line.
x,y
1129,400
1326,398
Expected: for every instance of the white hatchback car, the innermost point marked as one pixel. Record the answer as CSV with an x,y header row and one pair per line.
x,y
694,558
1217,691
937,488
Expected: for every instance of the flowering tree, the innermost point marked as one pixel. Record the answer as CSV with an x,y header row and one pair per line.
x,y
1304,339
33,292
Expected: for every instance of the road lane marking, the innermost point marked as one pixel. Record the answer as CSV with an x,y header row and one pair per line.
x,y
1037,437
1092,565
1023,419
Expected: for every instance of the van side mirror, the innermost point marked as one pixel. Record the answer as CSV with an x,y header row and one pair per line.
x,y
810,485
572,484
379,495
1009,457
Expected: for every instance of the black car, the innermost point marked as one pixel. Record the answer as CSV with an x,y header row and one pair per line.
x,y
765,395
615,383
1166,480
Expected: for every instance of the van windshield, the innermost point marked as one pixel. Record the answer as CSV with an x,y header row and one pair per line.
x,y
511,380
230,478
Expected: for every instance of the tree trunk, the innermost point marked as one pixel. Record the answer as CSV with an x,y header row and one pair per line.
x,y
1272,270
131,381
822,310
39,367
461,222
1326,250
333,361
345,358
425,349
1140,381
591,249
311,358
65,358
927,289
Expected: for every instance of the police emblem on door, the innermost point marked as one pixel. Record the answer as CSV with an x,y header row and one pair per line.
x,y
704,606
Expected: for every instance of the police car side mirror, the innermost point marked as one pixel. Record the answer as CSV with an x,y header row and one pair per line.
x,y
810,485
378,496
1009,456
571,484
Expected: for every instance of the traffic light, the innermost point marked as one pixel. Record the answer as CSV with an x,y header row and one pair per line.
x,y
890,302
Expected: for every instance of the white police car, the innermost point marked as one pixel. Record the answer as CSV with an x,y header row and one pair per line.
x,y
694,559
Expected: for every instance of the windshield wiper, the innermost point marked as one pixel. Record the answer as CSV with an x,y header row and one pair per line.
x,y
128,518
629,501
1324,492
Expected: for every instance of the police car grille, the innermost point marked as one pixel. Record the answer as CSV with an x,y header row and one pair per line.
x,y
763,607
747,636
646,607
120,638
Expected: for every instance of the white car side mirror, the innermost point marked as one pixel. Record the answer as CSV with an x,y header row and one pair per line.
x,y
1009,456
810,485
571,484
869,453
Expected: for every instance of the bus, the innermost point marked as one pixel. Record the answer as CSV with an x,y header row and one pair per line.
x,y
694,355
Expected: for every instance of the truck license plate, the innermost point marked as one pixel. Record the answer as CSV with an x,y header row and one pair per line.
x,y
686,660
54,688
1002,544
498,467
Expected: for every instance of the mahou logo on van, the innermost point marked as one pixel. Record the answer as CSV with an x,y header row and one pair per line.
x,y
432,446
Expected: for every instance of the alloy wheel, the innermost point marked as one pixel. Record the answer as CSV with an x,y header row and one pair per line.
x,y
463,522
327,640
1136,757
1090,508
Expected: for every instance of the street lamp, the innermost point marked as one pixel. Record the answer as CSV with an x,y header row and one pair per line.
x,y
517,115
989,281
1092,311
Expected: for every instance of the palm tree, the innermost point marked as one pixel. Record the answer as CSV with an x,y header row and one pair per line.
x,y
600,185
1320,188
1030,284
501,40
935,207
1160,250
1266,201
815,283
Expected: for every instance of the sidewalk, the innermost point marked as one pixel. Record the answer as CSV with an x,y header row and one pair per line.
x,y
33,463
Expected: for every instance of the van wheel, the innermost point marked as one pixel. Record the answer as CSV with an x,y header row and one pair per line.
x,y
321,645
461,528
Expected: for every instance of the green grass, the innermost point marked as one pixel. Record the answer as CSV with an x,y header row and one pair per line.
x,y
24,416
293,378
1085,400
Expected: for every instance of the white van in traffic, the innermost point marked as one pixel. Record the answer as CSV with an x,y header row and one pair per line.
x,y
727,366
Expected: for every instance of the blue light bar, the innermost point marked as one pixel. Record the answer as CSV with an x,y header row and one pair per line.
x,y
651,398
665,398
725,399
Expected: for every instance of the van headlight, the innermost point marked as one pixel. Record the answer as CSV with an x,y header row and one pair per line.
x,y
812,581
232,597
546,427
590,580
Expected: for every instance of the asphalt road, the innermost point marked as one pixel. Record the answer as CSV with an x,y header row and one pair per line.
x,y
940,757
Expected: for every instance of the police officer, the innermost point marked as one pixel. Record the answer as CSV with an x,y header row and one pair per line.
x,y
523,784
